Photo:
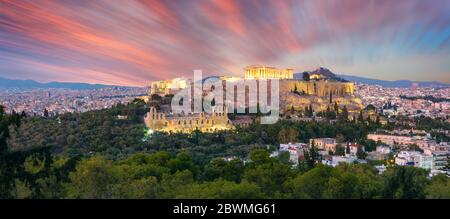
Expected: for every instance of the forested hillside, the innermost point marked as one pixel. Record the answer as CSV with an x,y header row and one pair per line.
x,y
110,154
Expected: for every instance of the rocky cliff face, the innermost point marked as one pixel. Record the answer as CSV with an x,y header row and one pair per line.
x,y
318,94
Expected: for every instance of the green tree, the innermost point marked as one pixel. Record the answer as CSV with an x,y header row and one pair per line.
x,y
360,153
221,189
340,138
259,157
306,76
183,161
144,188
92,178
227,170
46,112
343,116
341,186
173,184
306,111
2,111
156,97
439,188
268,173
360,116
340,150
369,145
311,184
355,181
329,114
288,135
311,156
13,165
370,107
284,156
405,182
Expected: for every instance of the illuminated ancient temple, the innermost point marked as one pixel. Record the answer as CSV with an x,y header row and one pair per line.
x,y
169,86
265,72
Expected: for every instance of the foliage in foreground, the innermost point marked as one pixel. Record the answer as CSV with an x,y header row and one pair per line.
x,y
160,175
96,155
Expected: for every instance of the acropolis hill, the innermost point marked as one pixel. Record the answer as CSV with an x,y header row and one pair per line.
x,y
319,94
319,90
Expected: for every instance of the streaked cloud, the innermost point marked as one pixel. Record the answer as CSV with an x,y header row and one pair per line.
x,y
133,42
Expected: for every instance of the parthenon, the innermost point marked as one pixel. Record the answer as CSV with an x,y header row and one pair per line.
x,y
265,72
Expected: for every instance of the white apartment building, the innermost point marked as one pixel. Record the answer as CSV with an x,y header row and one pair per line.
x,y
383,150
335,160
440,160
381,153
422,141
295,151
414,158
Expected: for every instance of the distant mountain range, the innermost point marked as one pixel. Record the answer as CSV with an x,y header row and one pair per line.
x,y
24,84
398,83
11,83
385,83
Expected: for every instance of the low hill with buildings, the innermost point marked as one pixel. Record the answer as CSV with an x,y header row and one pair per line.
x,y
319,73
29,84
397,83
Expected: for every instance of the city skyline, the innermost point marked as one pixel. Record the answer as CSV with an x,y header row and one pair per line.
x,y
133,42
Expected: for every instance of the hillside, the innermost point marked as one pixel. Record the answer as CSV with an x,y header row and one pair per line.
x,y
27,84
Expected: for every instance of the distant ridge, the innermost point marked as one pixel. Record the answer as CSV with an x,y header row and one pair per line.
x,y
27,84
325,72
397,83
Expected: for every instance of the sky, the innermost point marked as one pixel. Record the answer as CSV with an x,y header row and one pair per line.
x,y
135,42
